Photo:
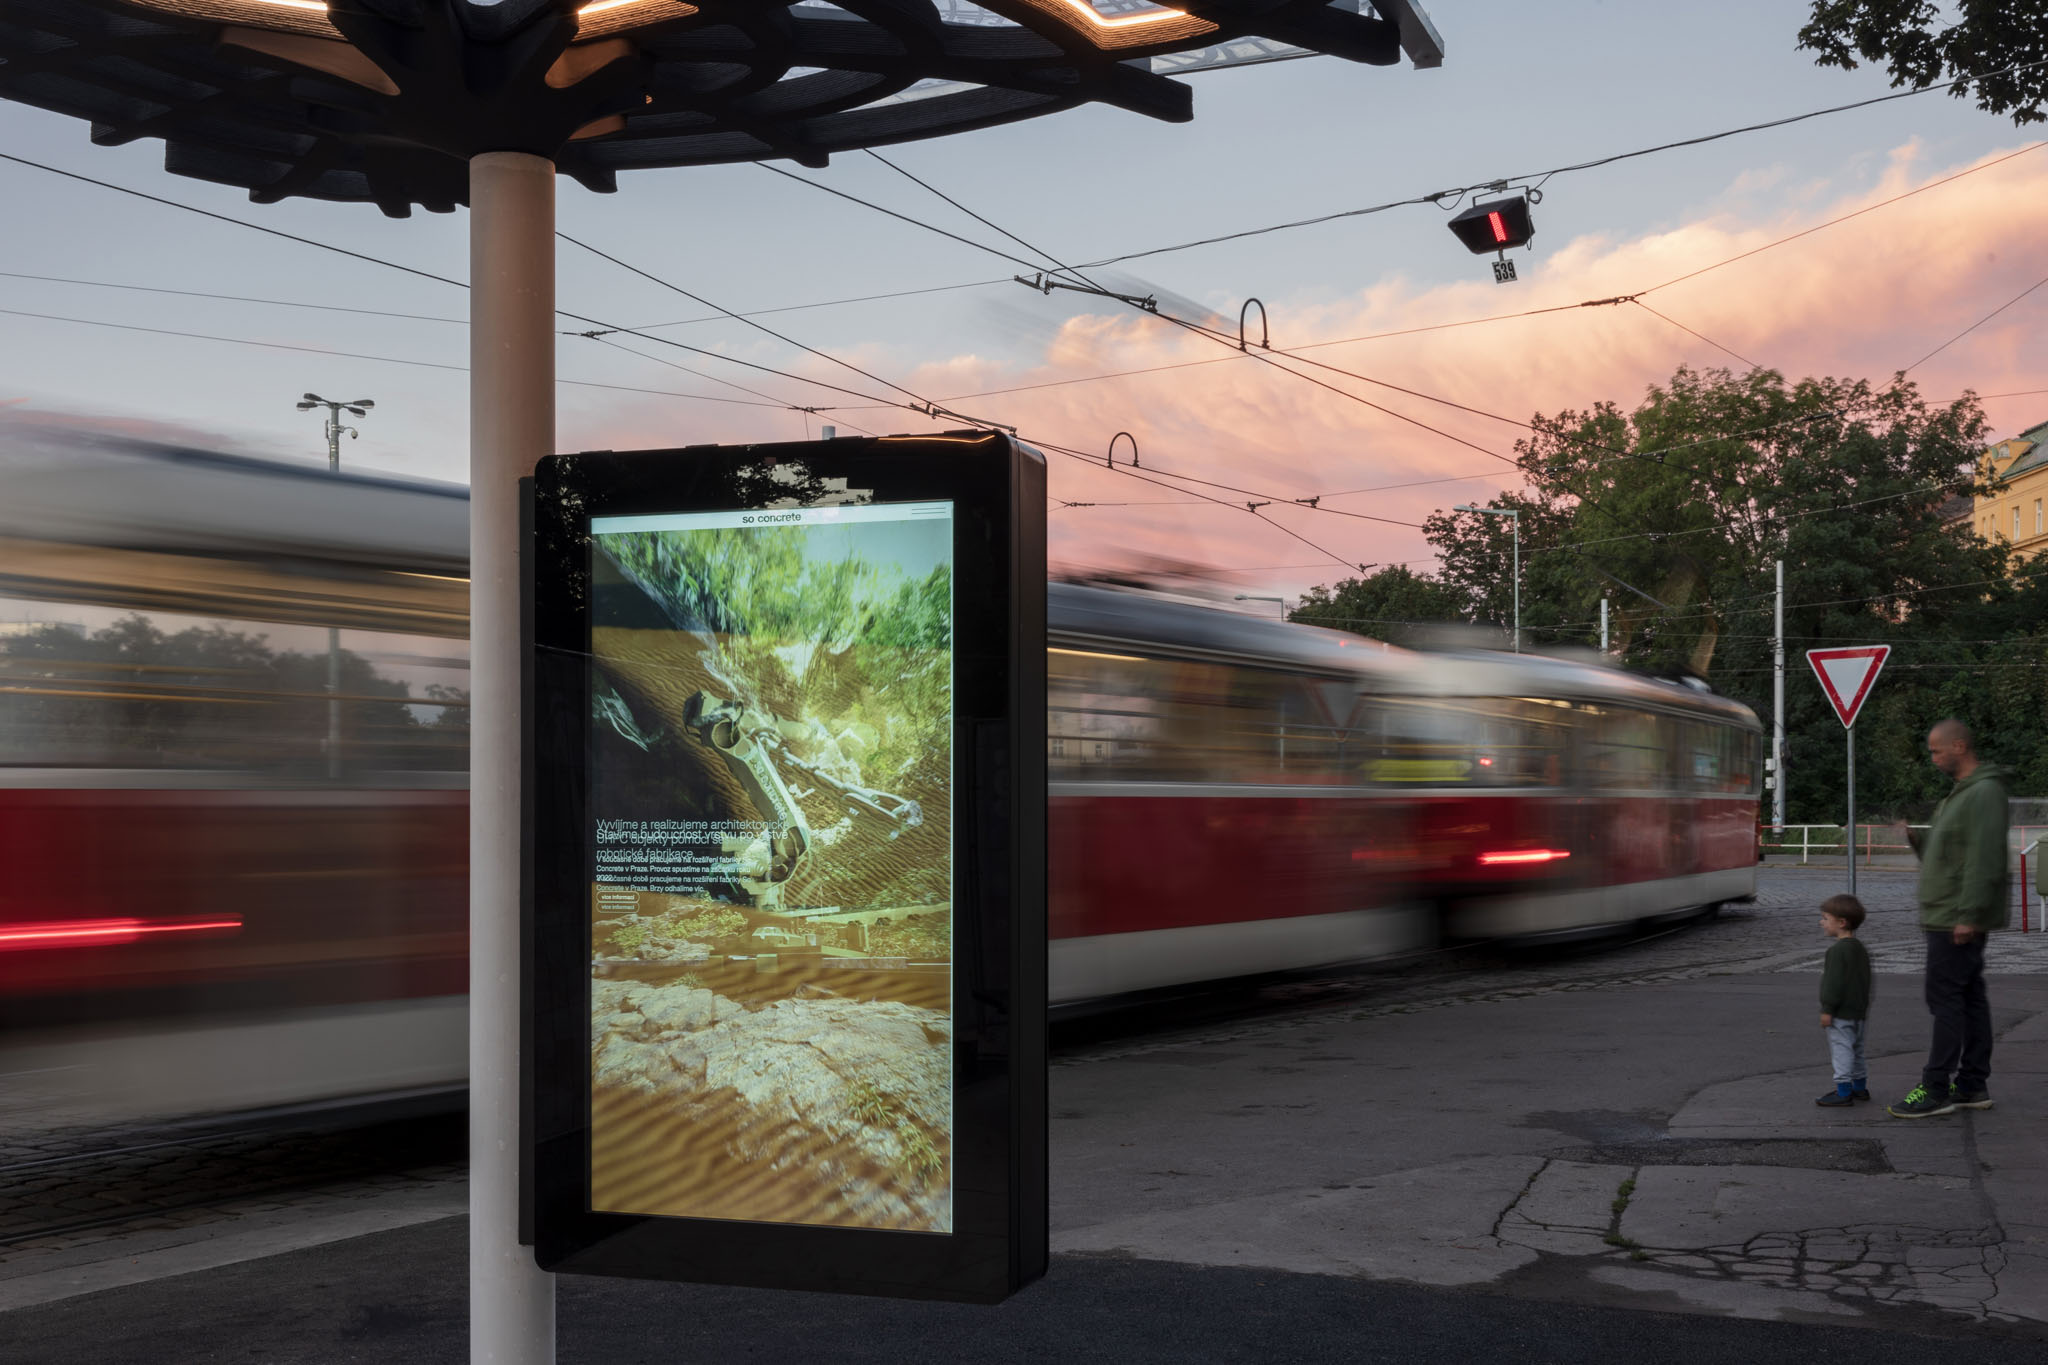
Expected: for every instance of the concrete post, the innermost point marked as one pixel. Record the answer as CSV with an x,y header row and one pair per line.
x,y
511,426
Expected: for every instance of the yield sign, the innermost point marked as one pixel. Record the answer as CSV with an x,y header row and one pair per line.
x,y
1846,675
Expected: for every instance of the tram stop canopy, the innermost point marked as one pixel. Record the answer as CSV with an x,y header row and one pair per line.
x,y
386,101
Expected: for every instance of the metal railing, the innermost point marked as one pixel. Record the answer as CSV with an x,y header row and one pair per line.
x,y
1831,842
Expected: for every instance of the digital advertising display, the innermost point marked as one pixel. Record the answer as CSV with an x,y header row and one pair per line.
x,y
771,793
786,931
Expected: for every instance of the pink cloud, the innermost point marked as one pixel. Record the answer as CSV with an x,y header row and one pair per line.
x,y
1862,298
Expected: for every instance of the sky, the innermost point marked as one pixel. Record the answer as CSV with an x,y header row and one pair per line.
x,y
1523,89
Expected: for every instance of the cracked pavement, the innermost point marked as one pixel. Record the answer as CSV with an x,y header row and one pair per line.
x,y
1620,1133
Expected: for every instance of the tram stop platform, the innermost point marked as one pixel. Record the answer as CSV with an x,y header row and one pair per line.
x,y
1600,1170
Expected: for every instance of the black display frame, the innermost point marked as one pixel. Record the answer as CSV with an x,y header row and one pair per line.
x,y
999,1237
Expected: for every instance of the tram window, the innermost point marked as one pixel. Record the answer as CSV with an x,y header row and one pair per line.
x,y
1740,759
1470,741
1703,756
1193,721
1627,752
164,692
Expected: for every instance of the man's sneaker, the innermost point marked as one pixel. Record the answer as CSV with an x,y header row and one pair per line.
x,y
1834,1099
1921,1104
1859,1095
1970,1099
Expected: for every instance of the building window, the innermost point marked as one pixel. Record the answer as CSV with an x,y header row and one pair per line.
x,y
2015,522
2037,516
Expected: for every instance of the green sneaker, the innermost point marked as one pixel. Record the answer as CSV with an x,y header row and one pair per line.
x,y
1921,1104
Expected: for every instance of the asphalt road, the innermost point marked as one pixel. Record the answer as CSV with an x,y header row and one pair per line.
x,y
400,1296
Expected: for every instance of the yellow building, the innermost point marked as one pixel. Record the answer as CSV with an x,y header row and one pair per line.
x,y
2016,510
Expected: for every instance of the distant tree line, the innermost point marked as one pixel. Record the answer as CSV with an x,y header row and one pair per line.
x,y
1675,511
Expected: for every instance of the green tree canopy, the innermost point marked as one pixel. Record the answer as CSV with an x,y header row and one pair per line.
x,y
1387,605
1676,511
1996,49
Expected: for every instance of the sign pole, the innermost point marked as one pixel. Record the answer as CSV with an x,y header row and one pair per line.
x,y
1846,676
1852,810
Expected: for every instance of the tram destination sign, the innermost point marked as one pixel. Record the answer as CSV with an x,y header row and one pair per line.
x,y
787,915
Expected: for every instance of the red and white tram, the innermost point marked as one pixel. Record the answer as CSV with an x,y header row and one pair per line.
x,y
224,886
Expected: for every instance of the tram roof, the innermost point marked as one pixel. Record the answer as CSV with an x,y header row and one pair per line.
x,y
1086,613
95,488
1496,673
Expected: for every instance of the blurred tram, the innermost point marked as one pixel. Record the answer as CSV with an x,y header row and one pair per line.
x,y
226,884
205,903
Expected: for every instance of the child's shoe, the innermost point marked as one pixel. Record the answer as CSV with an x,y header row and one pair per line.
x,y
1859,1093
1834,1099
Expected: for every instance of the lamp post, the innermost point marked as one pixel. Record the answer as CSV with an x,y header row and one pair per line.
x,y
1516,514
1255,597
355,407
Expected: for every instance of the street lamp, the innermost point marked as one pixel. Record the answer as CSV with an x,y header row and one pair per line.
x,y
1516,513
1254,597
355,407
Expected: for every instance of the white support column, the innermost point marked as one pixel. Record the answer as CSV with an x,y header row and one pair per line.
x,y
511,426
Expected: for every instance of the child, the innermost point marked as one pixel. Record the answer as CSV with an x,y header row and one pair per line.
x,y
1845,999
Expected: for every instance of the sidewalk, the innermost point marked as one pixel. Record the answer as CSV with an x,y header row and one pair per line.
x,y
1545,1174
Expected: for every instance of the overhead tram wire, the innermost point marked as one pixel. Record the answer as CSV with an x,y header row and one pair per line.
x,y
362,355
1502,181
929,409
924,406
1975,325
406,269
1197,328
1263,355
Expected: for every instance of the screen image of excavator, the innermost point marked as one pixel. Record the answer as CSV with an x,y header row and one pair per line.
x,y
771,903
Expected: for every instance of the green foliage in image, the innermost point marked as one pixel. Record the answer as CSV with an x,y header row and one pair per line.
x,y
921,1159
629,936
1675,510
845,643
869,1104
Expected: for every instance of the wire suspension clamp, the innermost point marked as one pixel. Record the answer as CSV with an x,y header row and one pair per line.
x,y
1045,284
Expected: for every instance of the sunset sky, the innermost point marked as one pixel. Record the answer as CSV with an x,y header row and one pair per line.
x,y
1523,89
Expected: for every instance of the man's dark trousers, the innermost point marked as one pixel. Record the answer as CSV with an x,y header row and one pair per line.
x,y
1962,1013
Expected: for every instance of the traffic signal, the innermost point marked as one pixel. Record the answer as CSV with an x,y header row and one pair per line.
x,y
1495,225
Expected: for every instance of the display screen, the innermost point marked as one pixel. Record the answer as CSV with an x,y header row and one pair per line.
x,y
771,777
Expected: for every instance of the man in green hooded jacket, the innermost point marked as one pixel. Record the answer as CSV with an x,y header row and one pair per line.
x,y
1964,890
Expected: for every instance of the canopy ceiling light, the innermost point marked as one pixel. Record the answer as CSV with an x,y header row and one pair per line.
x,y
385,101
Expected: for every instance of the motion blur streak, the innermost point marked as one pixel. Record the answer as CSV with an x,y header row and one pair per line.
x,y
1533,855
99,932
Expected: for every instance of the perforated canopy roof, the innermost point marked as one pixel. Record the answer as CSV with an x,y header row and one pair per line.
x,y
386,100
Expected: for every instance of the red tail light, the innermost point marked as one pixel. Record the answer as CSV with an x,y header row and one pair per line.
x,y
1523,855
96,933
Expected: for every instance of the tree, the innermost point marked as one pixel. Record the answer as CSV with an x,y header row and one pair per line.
x,y
1996,49
1387,605
1675,512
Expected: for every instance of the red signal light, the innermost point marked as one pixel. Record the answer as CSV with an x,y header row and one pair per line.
x,y
1494,225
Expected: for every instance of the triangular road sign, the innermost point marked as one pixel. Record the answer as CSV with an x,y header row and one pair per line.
x,y
1846,675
